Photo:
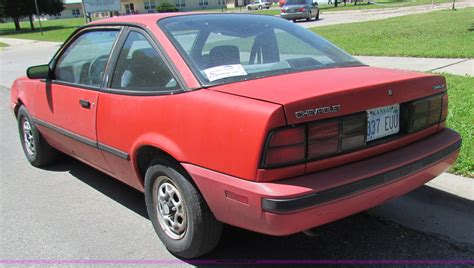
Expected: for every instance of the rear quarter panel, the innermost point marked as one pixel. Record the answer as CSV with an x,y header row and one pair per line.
x,y
218,131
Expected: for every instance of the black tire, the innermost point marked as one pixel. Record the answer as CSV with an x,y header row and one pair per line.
x,y
294,21
249,8
202,231
260,8
40,153
317,15
309,18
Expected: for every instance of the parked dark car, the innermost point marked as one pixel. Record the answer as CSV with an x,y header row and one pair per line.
x,y
300,9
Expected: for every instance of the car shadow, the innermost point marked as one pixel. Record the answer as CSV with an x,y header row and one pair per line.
x,y
359,237
112,188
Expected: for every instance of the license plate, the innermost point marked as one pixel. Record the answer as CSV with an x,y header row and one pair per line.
x,y
383,121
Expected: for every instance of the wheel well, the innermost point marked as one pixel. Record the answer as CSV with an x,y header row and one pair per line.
x,y
148,154
17,107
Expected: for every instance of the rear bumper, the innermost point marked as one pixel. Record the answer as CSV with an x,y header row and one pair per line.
x,y
294,16
297,204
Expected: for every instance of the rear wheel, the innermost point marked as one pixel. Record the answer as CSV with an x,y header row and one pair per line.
x,y
310,16
317,15
259,7
36,149
179,213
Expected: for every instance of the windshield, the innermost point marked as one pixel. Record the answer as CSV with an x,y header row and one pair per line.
x,y
295,2
225,48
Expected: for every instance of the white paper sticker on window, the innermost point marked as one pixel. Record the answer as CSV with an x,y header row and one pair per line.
x,y
224,71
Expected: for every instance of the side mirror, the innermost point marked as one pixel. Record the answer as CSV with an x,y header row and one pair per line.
x,y
38,72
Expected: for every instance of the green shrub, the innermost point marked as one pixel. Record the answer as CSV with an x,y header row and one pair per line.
x,y
166,7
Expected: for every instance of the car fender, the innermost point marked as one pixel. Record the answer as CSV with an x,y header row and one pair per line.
x,y
23,91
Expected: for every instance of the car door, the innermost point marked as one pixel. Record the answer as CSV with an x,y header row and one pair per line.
x,y
67,104
135,101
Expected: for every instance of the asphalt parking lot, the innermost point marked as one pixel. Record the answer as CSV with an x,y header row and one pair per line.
x,y
70,211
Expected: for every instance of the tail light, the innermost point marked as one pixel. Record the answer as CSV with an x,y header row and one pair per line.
x,y
301,9
336,136
285,146
298,144
283,10
423,113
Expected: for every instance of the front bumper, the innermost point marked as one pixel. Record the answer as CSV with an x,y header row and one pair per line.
x,y
297,204
294,16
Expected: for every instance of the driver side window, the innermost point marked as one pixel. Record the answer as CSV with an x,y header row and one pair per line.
x,y
84,61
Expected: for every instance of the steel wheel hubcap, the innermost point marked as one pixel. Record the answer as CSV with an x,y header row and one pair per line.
x,y
28,138
170,208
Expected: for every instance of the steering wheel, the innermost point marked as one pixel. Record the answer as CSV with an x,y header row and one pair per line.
x,y
96,69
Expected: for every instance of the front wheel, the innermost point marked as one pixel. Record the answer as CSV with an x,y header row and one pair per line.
x,y
38,152
178,212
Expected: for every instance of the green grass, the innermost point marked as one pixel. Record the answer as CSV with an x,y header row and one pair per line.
x,y
461,119
440,34
54,30
380,4
3,45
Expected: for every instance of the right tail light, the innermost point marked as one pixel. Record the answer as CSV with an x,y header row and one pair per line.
x,y
423,113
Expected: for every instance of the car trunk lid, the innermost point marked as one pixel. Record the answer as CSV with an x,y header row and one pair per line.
x,y
319,94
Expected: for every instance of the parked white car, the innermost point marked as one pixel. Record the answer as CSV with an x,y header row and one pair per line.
x,y
259,5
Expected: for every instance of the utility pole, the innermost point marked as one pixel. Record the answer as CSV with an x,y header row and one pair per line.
x,y
84,10
39,18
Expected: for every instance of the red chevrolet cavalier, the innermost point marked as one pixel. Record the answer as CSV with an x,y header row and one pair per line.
x,y
240,119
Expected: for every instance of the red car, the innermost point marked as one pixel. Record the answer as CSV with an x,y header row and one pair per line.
x,y
269,128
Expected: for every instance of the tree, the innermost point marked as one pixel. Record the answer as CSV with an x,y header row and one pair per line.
x,y
14,10
45,7
26,8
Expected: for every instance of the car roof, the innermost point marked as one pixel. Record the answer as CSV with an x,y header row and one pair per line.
x,y
144,19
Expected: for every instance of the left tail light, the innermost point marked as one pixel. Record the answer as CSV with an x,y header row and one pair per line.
x,y
297,144
301,9
285,146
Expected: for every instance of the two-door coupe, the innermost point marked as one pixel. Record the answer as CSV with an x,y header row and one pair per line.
x,y
240,119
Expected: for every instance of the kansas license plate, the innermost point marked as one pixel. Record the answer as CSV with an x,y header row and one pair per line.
x,y
383,121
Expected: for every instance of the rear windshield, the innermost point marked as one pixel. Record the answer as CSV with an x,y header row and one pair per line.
x,y
225,48
295,2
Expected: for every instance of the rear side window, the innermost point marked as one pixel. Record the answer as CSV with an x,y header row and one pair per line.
x,y
140,67
84,61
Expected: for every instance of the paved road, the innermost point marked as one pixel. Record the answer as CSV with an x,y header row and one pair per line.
x,y
71,211
350,16
338,17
